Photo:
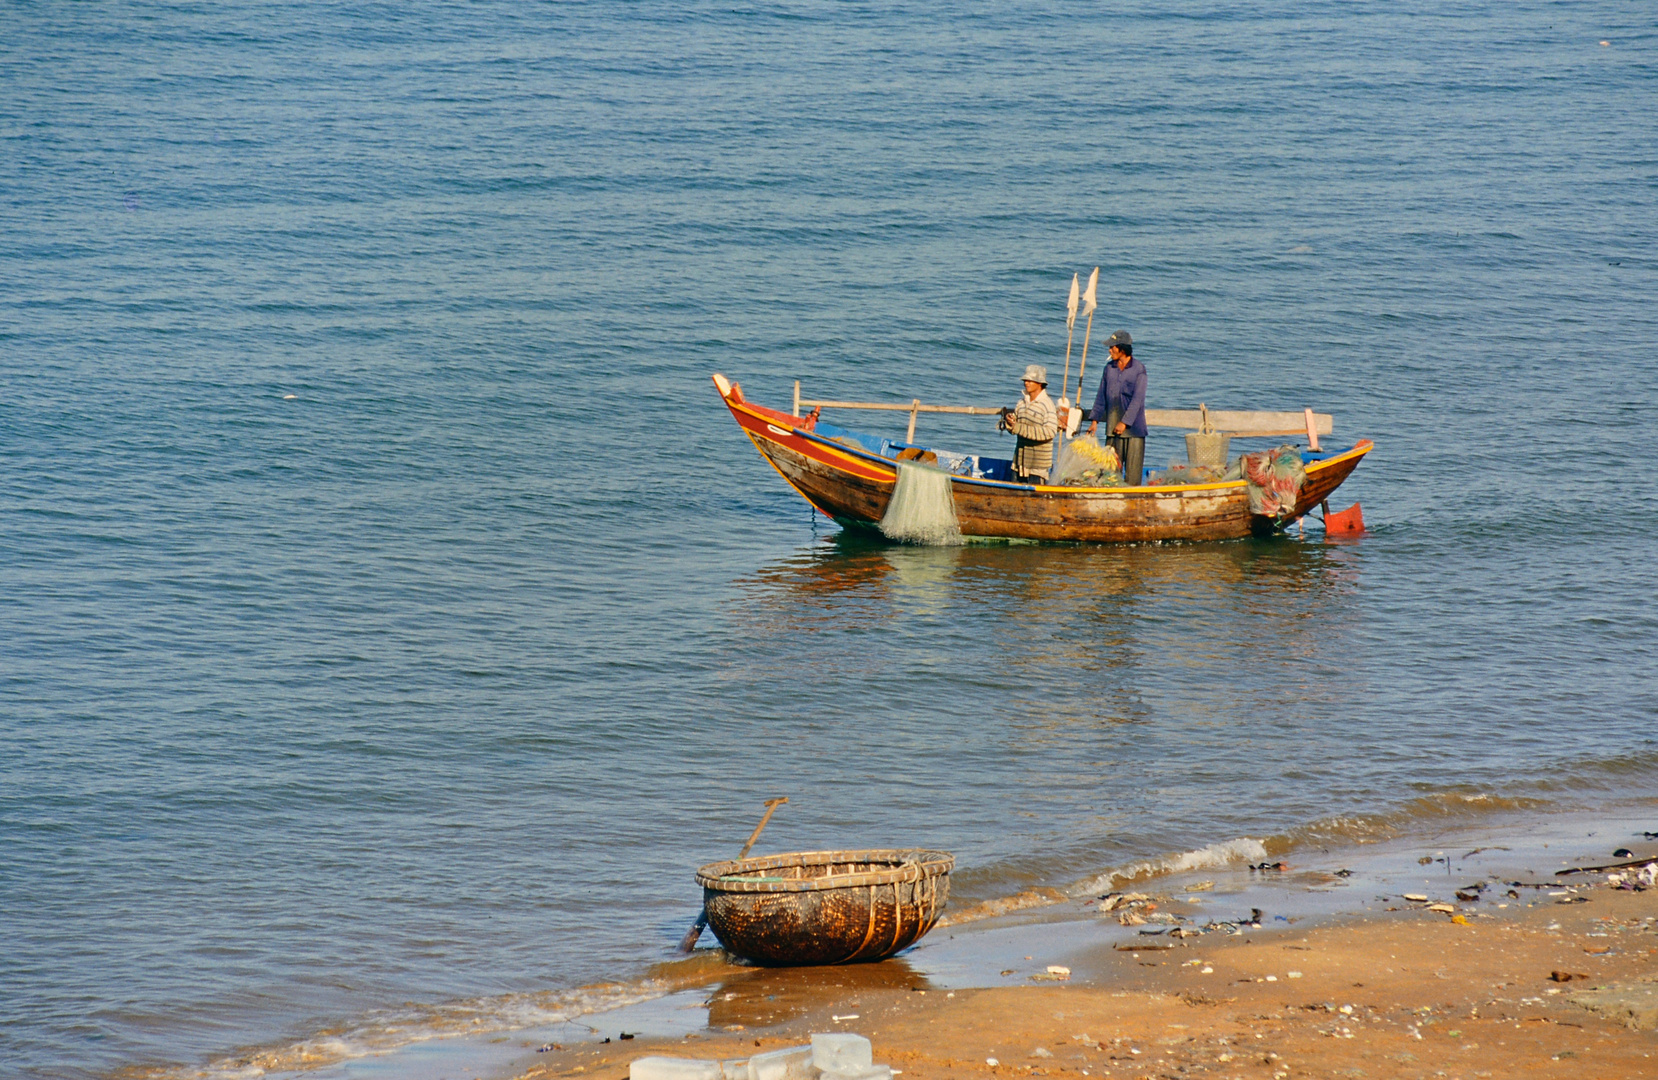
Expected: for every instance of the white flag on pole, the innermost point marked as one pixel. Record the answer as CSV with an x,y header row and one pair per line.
x,y
1087,297
1071,308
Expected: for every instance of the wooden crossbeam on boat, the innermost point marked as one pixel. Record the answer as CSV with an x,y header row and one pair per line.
x,y
913,408
898,406
1282,424
1230,422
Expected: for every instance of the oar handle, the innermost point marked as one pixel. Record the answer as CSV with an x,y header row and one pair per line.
x,y
771,805
690,940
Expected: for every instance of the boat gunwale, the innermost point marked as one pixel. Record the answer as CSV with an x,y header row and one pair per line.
x,y
905,864
1358,449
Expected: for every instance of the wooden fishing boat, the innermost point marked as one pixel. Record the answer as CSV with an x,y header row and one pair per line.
x,y
825,907
850,477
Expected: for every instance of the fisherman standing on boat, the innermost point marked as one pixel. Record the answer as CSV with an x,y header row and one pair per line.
x,y
1035,422
1121,403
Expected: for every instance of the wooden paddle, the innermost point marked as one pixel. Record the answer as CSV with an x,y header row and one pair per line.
x,y
690,941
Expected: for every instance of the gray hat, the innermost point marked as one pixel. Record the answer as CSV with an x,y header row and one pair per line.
x,y
1119,338
1036,373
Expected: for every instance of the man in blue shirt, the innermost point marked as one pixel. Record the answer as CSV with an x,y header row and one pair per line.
x,y
1121,403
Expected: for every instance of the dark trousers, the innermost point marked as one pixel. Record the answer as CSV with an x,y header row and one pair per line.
x,y
1131,451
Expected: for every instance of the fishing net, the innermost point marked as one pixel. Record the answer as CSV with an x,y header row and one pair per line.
x,y
1083,462
921,510
1181,472
1275,478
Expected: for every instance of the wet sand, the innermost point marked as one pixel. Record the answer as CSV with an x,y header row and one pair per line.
x,y
1404,992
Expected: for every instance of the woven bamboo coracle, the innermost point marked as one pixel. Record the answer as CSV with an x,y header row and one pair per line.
x,y
825,907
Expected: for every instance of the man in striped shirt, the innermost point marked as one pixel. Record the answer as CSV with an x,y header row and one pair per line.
x,y
1035,422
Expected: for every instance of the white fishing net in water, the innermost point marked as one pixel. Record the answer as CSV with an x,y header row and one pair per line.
x,y
921,510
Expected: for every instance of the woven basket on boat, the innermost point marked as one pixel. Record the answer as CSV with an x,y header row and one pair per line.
x,y
825,907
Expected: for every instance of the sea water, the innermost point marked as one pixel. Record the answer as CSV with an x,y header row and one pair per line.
x,y
392,617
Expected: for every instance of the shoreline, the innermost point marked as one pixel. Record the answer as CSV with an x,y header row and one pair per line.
x,y
1404,994
1349,896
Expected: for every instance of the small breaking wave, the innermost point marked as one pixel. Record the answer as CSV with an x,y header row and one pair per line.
x,y
1620,773
1421,814
1004,905
1241,849
388,1030
1426,811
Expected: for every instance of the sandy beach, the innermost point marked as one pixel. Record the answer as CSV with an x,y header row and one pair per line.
x,y
1398,993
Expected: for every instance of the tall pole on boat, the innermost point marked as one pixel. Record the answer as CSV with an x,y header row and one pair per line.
x,y
1070,331
1088,304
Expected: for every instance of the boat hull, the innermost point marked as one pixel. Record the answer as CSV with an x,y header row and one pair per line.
x,y
825,907
854,486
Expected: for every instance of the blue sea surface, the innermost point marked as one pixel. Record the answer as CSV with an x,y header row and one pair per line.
x,y
392,616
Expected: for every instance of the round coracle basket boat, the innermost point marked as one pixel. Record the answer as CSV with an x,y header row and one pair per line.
x,y
825,907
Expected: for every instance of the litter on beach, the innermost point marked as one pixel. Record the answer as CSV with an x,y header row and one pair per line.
x,y
831,1056
791,1063
667,1068
841,1052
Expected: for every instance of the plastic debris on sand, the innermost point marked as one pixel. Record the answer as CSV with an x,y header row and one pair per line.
x,y
831,1056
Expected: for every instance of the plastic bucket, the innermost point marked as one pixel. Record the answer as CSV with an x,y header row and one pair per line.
x,y
1208,448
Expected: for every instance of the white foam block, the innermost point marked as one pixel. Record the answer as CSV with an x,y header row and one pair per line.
x,y
793,1063
841,1052
735,1069
864,1072
668,1068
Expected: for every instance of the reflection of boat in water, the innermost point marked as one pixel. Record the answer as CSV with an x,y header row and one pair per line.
x,y
851,477
762,997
